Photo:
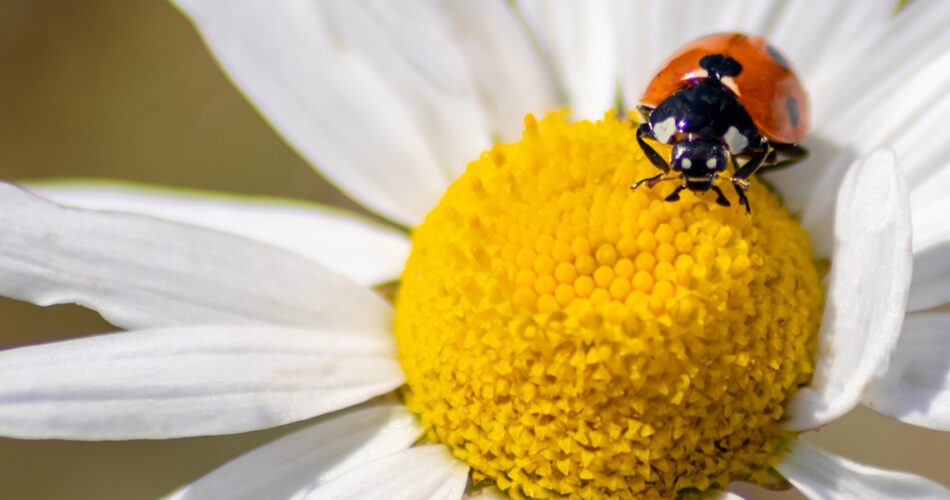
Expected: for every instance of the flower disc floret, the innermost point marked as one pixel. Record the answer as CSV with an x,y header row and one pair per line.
x,y
567,336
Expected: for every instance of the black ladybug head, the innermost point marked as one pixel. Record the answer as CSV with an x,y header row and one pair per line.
x,y
699,158
719,66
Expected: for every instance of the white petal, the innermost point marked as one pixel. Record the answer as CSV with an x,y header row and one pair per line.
x,y
817,38
364,251
189,381
930,205
867,293
429,472
891,58
327,98
903,78
501,58
913,114
916,386
415,55
143,272
915,108
811,190
305,459
633,52
930,286
389,102
580,39
821,475
927,160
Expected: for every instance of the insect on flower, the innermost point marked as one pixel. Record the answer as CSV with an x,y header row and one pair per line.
x,y
719,98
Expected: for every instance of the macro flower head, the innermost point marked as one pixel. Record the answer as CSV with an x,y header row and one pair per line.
x,y
528,326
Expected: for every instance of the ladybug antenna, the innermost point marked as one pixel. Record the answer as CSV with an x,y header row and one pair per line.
x,y
719,66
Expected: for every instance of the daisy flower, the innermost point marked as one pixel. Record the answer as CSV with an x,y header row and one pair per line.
x,y
554,334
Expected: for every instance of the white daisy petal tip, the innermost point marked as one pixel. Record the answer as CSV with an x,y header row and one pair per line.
x,y
822,475
867,293
915,388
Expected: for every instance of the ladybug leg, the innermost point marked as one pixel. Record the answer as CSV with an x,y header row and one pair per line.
x,y
720,198
644,131
752,166
650,181
675,195
793,153
740,181
742,199
656,179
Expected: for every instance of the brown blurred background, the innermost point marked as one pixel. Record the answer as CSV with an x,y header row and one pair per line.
x,y
126,90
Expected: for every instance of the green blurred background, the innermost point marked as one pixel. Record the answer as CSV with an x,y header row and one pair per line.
x,y
126,90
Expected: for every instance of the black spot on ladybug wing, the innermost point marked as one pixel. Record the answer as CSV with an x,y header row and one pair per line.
x,y
792,106
778,57
719,66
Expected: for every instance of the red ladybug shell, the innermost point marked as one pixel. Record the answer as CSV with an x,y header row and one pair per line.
x,y
766,87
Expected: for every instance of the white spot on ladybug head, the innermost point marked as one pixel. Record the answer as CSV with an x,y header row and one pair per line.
x,y
735,140
712,164
686,163
664,130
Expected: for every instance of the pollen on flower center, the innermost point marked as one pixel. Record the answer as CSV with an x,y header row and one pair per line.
x,y
568,337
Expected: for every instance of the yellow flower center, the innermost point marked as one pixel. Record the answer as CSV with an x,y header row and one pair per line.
x,y
569,337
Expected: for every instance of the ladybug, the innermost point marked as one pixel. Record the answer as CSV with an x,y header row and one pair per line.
x,y
719,98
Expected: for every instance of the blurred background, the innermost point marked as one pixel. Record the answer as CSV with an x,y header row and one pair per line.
x,y
126,90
